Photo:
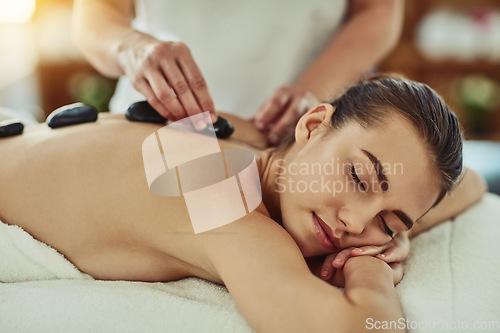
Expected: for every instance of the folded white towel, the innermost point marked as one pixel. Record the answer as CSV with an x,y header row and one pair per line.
x,y
24,258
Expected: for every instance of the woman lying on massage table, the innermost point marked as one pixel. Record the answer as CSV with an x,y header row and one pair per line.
x,y
397,150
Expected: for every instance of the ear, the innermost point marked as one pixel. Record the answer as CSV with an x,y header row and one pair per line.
x,y
313,122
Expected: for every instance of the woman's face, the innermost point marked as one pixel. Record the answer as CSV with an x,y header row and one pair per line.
x,y
353,186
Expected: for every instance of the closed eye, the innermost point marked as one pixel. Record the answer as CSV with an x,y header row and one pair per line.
x,y
386,228
356,179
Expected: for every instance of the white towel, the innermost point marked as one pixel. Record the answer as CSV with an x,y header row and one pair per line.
x,y
189,305
452,278
71,301
24,258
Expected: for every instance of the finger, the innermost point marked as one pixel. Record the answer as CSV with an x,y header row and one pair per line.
x,y
164,97
327,270
184,94
341,258
370,250
398,252
197,83
144,88
393,254
272,108
178,82
286,122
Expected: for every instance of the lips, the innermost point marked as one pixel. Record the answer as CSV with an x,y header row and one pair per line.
x,y
325,234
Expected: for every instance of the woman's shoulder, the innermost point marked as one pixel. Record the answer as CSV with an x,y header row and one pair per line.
x,y
249,238
245,132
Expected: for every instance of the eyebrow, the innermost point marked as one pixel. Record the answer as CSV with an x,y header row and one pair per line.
x,y
403,217
382,179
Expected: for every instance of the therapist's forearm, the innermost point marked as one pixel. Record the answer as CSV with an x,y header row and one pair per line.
x,y
99,26
370,33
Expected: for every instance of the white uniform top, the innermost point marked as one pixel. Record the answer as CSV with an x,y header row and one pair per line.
x,y
245,49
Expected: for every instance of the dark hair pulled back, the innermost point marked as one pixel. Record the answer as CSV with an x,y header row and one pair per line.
x,y
373,101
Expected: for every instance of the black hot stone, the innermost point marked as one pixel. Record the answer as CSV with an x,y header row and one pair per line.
x,y
10,128
72,114
223,128
142,111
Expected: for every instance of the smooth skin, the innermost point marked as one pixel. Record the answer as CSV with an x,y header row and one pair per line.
x,y
104,35
82,190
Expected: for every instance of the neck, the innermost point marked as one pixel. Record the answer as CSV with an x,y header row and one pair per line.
x,y
271,168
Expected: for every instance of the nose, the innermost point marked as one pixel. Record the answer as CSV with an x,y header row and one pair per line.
x,y
354,228
356,219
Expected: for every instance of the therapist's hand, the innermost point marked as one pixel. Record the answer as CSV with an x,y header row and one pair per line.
x,y
282,110
167,75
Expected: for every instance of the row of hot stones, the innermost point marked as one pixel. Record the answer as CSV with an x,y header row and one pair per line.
x,y
79,113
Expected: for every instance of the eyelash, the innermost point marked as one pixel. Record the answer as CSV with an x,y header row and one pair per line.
x,y
355,178
357,181
386,228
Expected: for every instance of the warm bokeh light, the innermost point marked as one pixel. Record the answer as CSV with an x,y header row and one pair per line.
x,y
16,11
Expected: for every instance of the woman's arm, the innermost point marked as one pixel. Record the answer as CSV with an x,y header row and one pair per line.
x,y
273,288
469,191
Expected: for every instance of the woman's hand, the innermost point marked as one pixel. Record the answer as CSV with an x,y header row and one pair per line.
x,y
167,75
282,110
393,253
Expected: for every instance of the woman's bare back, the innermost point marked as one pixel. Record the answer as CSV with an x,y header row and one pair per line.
x,y
82,189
